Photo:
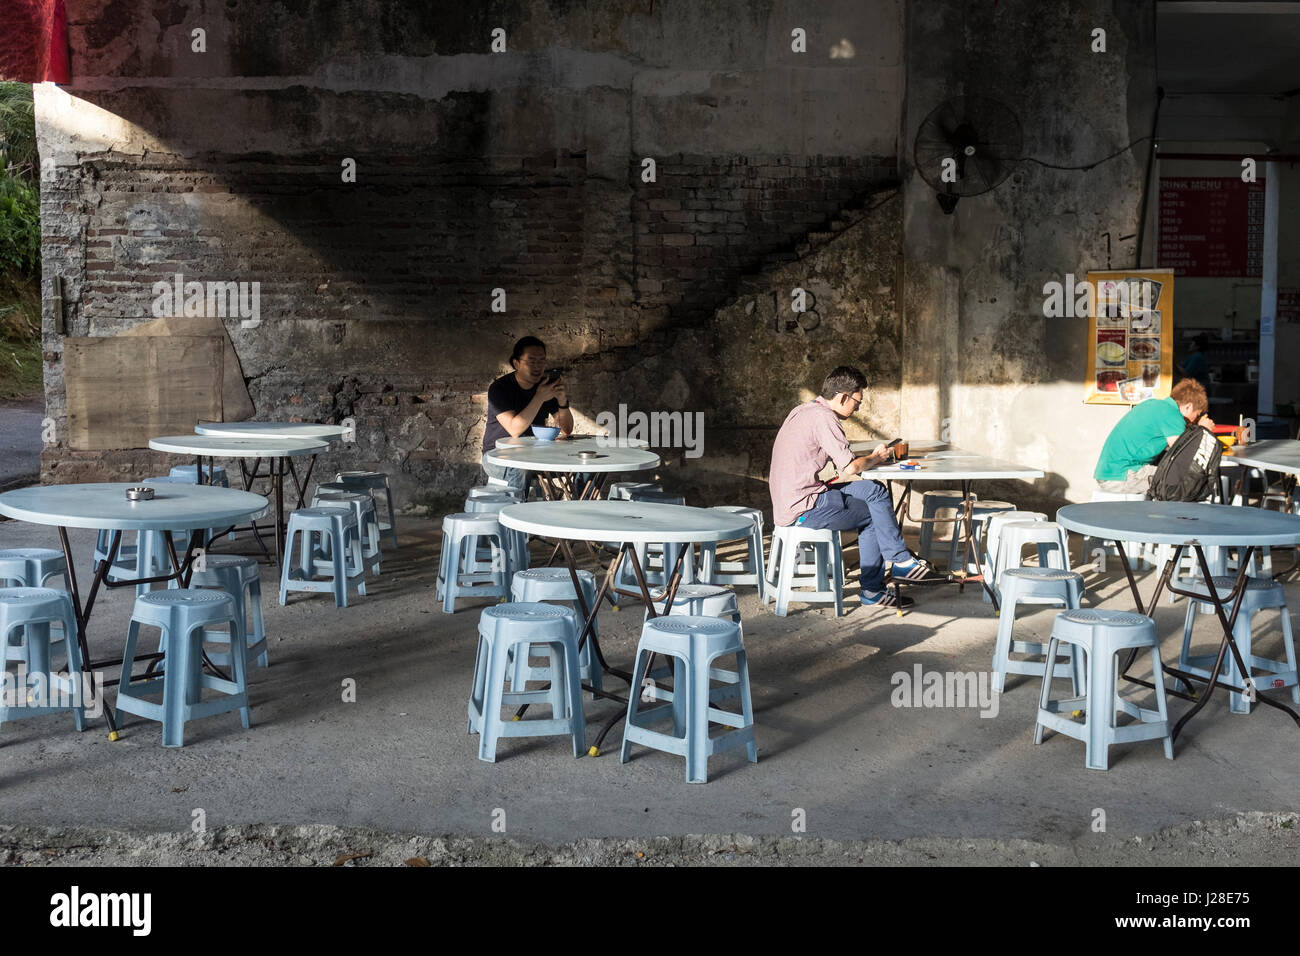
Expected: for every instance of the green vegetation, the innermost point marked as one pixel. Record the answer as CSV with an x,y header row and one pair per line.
x,y
20,245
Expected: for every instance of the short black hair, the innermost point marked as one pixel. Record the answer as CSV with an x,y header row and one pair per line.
x,y
843,379
1201,341
527,342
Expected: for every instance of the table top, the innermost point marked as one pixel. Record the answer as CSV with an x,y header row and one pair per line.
x,y
1282,454
270,430
635,522
943,462
219,447
583,441
562,456
1181,522
106,506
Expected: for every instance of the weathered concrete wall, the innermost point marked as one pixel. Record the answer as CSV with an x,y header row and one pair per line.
x,y
475,171
982,363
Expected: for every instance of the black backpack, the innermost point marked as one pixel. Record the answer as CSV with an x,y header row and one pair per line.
x,y
1188,470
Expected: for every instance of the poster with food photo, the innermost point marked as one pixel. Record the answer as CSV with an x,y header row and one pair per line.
x,y
1130,336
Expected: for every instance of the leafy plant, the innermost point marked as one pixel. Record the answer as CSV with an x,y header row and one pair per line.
x,y
18,131
20,227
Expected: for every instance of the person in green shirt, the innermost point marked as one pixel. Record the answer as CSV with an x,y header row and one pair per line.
x,y
1128,457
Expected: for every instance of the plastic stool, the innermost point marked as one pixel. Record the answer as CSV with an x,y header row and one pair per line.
x,y
182,614
320,530
1260,594
1033,586
460,535
212,475
1051,539
480,491
373,481
732,573
1101,635
623,490
29,568
363,507
703,600
537,585
515,627
25,617
932,502
828,581
694,643
980,514
992,535
239,577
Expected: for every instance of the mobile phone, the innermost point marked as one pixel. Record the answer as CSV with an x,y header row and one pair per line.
x,y
555,374
896,441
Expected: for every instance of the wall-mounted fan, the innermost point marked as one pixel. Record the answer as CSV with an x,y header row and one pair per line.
x,y
967,146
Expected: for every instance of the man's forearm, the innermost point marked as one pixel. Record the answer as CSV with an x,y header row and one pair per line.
x,y
564,418
523,420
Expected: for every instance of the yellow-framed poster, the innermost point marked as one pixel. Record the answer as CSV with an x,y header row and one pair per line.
x,y
1130,336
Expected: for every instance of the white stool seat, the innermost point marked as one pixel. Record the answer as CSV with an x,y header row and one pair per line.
x,y
461,534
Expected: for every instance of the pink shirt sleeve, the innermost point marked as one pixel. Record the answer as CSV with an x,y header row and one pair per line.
x,y
830,435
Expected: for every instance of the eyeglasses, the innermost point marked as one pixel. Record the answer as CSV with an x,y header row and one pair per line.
x,y
856,401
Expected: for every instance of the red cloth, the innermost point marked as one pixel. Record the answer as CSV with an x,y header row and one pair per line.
x,y
34,41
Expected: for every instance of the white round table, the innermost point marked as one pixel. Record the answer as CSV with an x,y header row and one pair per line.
x,y
1196,526
559,461
106,507
625,523
279,453
271,430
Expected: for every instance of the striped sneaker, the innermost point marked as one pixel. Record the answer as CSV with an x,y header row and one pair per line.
x,y
919,571
889,598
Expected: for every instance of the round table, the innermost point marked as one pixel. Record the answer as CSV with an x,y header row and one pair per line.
x,y
625,523
270,430
1197,526
592,441
558,461
106,507
277,451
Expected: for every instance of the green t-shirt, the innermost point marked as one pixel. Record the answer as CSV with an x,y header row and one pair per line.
x,y
1138,438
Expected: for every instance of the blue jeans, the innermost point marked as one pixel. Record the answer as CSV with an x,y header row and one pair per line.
x,y
516,478
864,507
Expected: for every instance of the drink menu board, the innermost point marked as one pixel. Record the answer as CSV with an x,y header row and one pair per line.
x,y
1130,336
1212,226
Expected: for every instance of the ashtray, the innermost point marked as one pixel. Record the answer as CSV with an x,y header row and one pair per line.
x,y
142,493
588,455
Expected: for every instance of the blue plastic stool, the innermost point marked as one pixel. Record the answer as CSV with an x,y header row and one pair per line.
x,y
782,579
516,540
705,600
932,502
1049,586
372,481
534,585
732,573
25,616
239,577
182,614
29,568
460,536
693,643
363,506
1101,635
321,531
515,627
212,475
1261,594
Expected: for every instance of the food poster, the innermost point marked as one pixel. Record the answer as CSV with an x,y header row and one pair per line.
x,y
1130,336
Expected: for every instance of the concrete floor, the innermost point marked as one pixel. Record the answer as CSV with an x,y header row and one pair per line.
x,y
20,442
831,744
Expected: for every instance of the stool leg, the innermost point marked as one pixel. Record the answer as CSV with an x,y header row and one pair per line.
x,y
175,687
476,686
1099,719
634,700
490,731
1002,647
80,684
785,580
708,560
338,559
253,606
573,689
1045,692
443,551
36,641
239,665
358,560
746,702
697,724
1237,703
285,560
451,574
1157,678
1288,648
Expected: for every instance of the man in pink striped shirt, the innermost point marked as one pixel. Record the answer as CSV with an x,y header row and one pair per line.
x,y
810,437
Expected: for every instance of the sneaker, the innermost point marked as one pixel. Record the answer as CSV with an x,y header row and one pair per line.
x,y
918,571
889,598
